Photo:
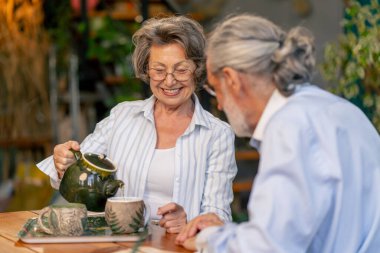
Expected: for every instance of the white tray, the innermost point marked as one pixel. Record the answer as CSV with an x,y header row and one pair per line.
x,y
98,231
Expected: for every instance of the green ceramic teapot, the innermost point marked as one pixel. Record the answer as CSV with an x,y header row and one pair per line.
x,y
90,181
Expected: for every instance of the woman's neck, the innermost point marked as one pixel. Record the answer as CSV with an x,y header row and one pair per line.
x,y
183,110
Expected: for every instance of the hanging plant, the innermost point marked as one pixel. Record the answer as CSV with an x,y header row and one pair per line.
x,y
24,103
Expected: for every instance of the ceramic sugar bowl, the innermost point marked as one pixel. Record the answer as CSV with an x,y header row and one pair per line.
x,y
90,181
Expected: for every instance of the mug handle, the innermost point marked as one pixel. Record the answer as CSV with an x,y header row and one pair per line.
x,y
41,224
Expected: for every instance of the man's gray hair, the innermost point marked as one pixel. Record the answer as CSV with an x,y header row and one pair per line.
x,y
164,31
253,44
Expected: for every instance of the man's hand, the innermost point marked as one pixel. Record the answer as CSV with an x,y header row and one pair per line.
x,y
174,217
63,157
190,244
197,224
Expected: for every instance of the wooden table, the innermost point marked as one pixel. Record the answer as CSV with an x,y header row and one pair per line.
x,y
12,222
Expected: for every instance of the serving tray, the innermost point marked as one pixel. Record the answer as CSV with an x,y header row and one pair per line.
x,y
98,231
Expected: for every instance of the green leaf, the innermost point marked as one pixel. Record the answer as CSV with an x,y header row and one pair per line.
x,y
114,223
138,219
352,64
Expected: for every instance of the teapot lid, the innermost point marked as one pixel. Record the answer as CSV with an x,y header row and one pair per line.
x,y
100,162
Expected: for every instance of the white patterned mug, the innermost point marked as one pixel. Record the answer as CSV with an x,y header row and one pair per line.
x,y
63,220
126,214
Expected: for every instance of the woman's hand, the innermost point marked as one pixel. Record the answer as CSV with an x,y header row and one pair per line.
x,y
63,157
197,224
173,219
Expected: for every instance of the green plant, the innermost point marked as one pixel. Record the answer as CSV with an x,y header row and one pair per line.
x,y
352,64
58,24
110,43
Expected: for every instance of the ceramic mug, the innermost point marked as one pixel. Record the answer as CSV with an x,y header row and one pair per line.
x,y
63,220
126,214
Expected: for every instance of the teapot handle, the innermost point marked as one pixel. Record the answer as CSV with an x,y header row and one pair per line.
x,y
77,154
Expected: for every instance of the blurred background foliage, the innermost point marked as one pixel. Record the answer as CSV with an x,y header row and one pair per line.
x,y
110,45
24,93
352,65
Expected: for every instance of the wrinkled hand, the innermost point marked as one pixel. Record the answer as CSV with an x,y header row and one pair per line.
x,y
174,217
63,157
190,244
197,224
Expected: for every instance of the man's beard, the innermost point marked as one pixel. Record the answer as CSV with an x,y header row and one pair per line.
x,y
235,116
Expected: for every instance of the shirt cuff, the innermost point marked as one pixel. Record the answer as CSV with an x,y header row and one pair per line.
x,y
55,183
202,238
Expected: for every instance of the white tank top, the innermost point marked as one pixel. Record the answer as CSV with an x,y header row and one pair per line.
x,y
160,180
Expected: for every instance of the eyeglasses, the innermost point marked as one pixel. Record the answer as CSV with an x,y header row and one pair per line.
x,y
209,90
180,74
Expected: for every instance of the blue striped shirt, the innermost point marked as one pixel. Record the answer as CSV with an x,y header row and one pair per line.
x,y
205,163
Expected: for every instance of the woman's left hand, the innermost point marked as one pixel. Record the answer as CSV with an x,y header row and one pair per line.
x,y
174,217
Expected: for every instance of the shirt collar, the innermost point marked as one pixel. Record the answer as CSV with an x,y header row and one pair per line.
x,y
147,108
199,117
275,103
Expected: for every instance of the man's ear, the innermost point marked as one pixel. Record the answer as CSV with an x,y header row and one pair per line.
x,y
232,79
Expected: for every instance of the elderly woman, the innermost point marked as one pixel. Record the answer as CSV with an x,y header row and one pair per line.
x,y
167,148
317,186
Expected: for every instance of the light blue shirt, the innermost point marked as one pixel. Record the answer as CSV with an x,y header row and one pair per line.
x,y
318,184
205,163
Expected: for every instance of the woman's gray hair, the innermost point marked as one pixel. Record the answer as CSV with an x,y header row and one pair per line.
x,y
163,31
253,44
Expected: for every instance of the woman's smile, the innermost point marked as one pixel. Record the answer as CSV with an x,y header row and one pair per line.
x,y
171,92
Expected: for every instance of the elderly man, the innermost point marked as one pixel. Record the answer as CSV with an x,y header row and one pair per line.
x,y
318,182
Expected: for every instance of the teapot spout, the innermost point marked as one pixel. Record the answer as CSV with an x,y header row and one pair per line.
x,y
111,187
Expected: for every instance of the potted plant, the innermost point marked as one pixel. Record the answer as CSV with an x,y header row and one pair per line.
x,y
352,65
